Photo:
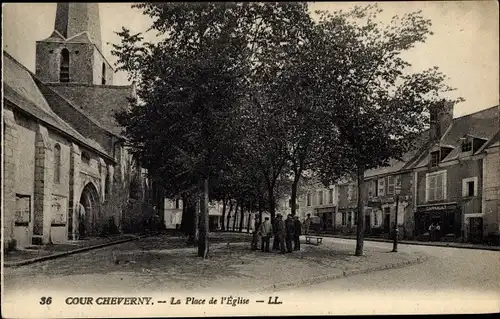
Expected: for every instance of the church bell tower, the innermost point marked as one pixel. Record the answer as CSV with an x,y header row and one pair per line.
x,y
73,52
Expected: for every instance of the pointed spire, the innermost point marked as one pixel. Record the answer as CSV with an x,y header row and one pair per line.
x,y
77,17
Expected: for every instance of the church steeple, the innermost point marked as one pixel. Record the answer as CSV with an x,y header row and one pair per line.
x,y
78,17
72,53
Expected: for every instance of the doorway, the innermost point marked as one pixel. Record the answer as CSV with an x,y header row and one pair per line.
x,y
88,212
476,230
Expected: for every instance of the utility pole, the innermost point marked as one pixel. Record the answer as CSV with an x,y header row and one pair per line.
x,y
397,190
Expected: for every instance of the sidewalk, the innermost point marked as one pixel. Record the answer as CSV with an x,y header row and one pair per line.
x,y
28,255
421,243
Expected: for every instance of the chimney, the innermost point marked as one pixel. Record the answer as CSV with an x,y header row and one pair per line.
x,y
441,119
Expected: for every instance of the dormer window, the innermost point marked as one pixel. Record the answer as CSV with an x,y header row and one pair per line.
x,y
466,146
435,159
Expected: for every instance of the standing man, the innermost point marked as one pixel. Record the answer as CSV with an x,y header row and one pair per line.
x,y
280,232
290,232
265,230
276,240
298,232
255,238
307,224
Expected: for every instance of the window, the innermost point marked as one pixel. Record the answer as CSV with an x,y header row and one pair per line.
x,y
372,186
436,186
469,188
390,185
290,203
375,219
467,146
23,210
308,199
349,192
434,159
107,185
381,187
344,219
320,195
103,73
57,164
177,204
85,157
330,196
64,66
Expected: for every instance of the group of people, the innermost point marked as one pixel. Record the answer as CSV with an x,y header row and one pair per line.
x,y
434,231
284,233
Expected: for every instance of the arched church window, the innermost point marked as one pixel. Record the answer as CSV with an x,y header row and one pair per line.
x,y
107,185
57,163
103,73
85,157
64,68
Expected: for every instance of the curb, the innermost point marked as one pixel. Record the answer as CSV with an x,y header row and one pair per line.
x,y
67,253
402,242
344,274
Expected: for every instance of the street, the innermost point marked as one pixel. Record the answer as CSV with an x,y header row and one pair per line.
x,y
446,269
442,283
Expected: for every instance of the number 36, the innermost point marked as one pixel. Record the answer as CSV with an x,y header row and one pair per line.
x,y
45,300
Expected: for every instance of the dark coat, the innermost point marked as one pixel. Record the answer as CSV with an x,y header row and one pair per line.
x,y
298,228
290,227
280,228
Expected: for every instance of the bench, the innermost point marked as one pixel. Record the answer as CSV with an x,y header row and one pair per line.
x,y
319,240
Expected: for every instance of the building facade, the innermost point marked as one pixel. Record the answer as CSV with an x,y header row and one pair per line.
x,y
67,172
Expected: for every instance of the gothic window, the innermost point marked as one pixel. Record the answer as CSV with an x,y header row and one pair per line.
x,y
103,73
85,157
64,68
57,164
107,186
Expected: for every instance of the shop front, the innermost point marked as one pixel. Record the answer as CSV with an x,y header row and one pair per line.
x,y
448,216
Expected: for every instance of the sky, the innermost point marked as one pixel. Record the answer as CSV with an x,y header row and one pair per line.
x,y
464,45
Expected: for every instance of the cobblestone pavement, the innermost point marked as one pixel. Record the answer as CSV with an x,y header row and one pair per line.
x,y
165,264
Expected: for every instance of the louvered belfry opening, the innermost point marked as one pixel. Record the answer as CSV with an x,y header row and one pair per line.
x,y
64,69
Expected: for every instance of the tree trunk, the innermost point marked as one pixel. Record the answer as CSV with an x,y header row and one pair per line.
x,y
260,208
242,215
272,204
361,206
293,198
224,204
197,221
249,217
204,223
229,214
235,215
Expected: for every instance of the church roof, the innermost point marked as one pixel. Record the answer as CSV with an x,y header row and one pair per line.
x,y
21,90
97,102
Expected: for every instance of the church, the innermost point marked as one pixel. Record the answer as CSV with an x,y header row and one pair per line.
x,y
66,174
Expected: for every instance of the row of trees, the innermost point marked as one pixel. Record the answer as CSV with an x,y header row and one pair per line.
x,y
236,98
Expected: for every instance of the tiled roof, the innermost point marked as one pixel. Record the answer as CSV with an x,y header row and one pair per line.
x,y
482,124
20,89
98,102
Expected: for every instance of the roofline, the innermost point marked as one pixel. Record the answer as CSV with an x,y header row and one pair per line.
x,y
495,106
75,108
35,78
489,142
118,87
62,132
